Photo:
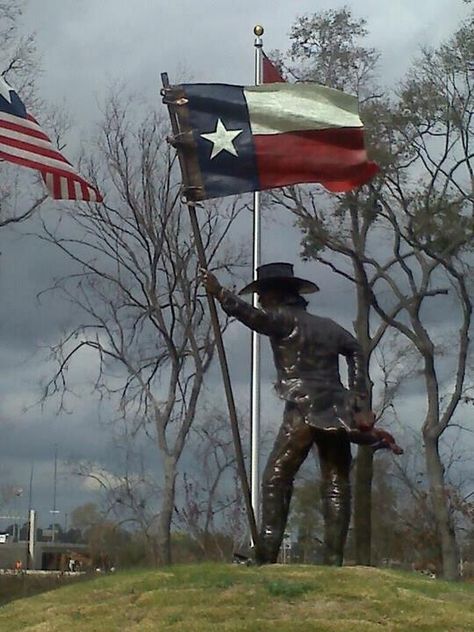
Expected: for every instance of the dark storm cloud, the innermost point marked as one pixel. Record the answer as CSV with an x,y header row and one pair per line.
x,y
85,45
28,267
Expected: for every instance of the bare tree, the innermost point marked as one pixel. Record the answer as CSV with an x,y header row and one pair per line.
x,y
328,47
129,494
431,218
211,510
8,492
405,240
137,287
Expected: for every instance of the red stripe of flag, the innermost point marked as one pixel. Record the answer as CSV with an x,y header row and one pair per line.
x,y
70,188
16,126
336,157
56,188
48,152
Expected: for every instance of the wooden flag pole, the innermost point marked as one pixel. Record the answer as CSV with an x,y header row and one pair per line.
x,y
239,455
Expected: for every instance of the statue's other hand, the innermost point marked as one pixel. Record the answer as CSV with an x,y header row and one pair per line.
x,y
386,441
210,282
376,438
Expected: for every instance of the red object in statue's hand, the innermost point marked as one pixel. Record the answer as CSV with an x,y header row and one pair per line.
x,y
386,440
375,438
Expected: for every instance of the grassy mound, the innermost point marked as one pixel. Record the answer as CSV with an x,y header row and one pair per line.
x,y
207,597
25,585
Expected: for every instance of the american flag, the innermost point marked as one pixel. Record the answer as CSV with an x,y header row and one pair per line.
x,y
23,142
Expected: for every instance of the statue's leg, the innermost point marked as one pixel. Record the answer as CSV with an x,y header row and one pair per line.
x,y
289,451
335,462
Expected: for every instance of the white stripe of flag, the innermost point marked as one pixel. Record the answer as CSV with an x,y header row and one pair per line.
x,y
275,108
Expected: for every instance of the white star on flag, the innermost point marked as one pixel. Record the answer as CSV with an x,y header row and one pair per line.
x,y
222,139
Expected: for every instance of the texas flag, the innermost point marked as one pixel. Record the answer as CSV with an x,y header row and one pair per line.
x,y
234,139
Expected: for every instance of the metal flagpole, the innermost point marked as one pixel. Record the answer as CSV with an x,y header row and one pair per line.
x,y
239,455
255,353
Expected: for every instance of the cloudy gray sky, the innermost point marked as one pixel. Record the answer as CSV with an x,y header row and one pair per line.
x,y
86,46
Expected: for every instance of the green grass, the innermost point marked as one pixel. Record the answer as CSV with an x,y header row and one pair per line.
x,y
22,585
211,597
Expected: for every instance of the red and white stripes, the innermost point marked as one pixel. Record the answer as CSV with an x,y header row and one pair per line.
x,y
23,142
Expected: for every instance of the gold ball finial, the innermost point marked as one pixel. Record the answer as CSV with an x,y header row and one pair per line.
x,y
258,30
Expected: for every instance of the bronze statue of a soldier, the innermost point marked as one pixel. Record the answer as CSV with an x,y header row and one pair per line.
x,y
318,409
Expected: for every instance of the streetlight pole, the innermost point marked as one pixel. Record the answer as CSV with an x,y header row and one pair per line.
x,y
54,511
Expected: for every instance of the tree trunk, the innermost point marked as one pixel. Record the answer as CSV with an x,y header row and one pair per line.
x,y
444,524
364,469
363,505
166,512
